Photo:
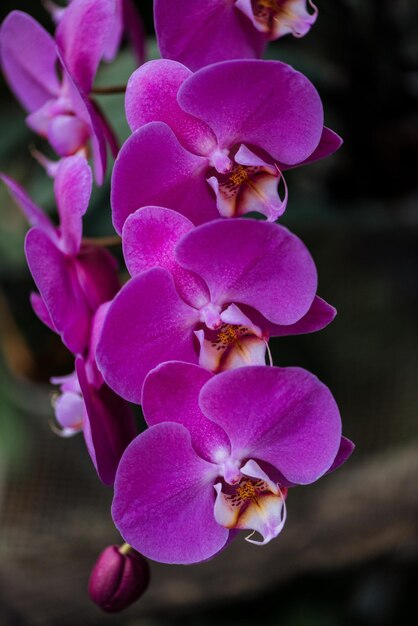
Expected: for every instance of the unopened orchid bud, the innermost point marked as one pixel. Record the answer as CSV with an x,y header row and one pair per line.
x,y
119,577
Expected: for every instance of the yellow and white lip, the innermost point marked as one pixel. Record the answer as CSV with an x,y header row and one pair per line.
x,y
238,342
255,503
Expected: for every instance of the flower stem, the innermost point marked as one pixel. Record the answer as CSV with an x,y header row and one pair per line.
x,y
103,242
125,549
109,90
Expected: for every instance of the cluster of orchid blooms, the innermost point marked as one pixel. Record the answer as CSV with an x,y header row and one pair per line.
x,y
214,129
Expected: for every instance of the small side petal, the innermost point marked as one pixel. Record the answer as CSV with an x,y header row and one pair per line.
x,y
345,450
163,504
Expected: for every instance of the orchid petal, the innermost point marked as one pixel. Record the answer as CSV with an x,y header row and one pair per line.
x,y
28,59
72,189
329,143
111,425
134,29
170,394
345,450
279,110
163,504
285,417
40,310
207,32
82,35
149,238
318,317
55,277
154,169
147,323
151,96
255,263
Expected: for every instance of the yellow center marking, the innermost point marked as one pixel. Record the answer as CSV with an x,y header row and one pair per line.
x,y
246,491
239,176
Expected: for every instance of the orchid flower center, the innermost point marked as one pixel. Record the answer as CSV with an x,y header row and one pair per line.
x,y
233,341
255,503
278,17
250,185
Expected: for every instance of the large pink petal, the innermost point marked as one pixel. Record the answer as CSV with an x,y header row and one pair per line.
x,y
154,169
111,425
205,32
28,58
255,263
147,323
72,188
82,35
151,96
164,498
171,393
55,276
150,236
264,103
285,417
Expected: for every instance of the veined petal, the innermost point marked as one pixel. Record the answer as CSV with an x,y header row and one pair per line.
x,y
147,324
82,35
149,238
151,96
154,169
111,425
40,310
163,504
283,416
72,189
266,104
28,58
55,276
206,33
255,263
171,393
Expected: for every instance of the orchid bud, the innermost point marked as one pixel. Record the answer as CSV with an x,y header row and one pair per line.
x,y
119,577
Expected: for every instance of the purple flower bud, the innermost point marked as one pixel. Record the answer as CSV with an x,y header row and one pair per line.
x,y
118,578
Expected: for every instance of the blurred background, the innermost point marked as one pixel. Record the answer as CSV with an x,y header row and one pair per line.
x,y
348,555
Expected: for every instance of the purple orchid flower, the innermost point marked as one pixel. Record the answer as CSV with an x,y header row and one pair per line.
x,y
76,280
217,141
127,20
73,278
59,108
219,455
198,34
211,295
